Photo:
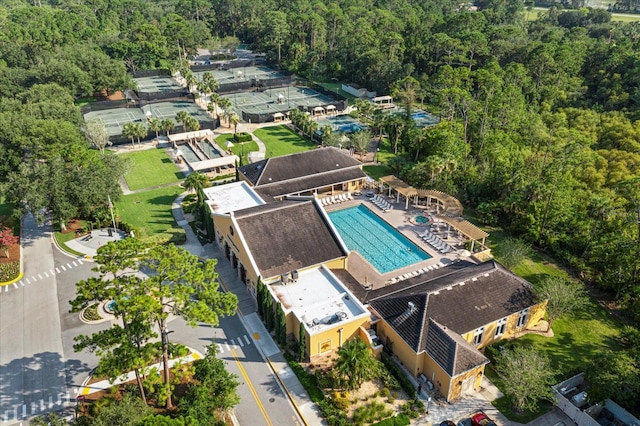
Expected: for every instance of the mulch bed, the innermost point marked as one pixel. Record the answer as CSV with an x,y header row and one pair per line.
x,y
74,225
14,254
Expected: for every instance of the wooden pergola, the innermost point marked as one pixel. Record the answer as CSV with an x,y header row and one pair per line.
x,y
466,228
401,188
451,206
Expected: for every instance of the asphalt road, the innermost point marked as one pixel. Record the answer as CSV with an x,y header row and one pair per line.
x,y
40,371
32,362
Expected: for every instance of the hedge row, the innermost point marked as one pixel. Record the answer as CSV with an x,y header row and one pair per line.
x,y
242,137
399,374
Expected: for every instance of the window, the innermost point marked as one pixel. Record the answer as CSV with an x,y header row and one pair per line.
x,y
522,318
477,336
501,324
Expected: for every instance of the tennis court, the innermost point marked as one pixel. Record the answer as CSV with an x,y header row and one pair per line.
x,y
234,75
115,119
170,109
156,84
278,100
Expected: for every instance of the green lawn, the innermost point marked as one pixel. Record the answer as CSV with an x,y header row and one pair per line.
x,y
242,150
376,172
149,212
577,337
150,167
281,140
621,17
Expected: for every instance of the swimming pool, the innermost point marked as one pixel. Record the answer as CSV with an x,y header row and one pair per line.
x,y
341,123
209,149
189,154
377,241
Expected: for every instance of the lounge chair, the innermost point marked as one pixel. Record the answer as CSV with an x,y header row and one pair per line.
x,y
441,264
349,196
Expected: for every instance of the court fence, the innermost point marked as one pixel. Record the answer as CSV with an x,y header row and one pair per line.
x,y
151,73
163,95
227,65
257,84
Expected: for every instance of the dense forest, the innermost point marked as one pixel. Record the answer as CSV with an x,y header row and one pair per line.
x,y
540,125
540,120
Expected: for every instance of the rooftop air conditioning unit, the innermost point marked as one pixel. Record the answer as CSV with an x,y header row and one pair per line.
x,y
285,278
294,276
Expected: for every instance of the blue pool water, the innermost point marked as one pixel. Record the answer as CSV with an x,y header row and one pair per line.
x,y
209,150
377,241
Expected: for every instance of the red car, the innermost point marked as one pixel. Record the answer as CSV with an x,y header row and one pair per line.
x,y
481,419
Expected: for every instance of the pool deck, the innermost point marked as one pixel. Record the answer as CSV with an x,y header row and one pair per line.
x,y
400,219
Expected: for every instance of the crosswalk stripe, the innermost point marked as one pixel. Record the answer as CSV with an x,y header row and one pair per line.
x,y
220,350
40,276
15,285
46,275
24,410
80,261
28,282
57,270
34,278
74,263
247,339
240,342
233,342
69,266
21,283
63,268
52,273
227,345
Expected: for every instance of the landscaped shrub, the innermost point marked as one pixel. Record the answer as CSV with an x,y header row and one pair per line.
x,y
127,227
307,380
399,374
176,236
9,271
399,420
242,137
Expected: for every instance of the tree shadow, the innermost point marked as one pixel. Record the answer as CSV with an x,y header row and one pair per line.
x,y
37,384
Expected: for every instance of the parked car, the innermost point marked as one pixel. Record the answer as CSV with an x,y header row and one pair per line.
x,y
481,419
447,423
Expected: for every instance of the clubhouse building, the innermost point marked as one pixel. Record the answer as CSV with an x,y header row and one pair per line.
x,y
277,228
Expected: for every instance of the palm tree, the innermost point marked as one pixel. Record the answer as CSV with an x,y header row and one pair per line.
x,y
129,130
182,116
214,102
224,104
168,125
234,119
356,364
192,124
141,131
197,181
155,125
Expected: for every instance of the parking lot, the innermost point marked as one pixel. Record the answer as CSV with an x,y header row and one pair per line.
x,y
460,411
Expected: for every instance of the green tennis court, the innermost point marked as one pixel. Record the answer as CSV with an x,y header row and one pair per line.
x,y
156,84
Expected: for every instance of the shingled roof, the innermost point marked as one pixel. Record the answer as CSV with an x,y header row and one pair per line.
x,y
293,166
447,303
307,183
454,354
297,225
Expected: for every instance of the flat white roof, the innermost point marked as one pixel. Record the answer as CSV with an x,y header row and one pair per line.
x,y
190,135
318,299
234,196
227,160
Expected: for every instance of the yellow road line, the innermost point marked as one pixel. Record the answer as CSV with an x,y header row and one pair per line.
x,y
251,388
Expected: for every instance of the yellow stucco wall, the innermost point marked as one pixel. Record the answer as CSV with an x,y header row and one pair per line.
x,y
329,339
399,347
222,225
536,313
455,390
433,372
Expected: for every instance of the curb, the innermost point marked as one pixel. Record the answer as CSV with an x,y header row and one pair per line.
x,y
55,243
16,279
284,386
